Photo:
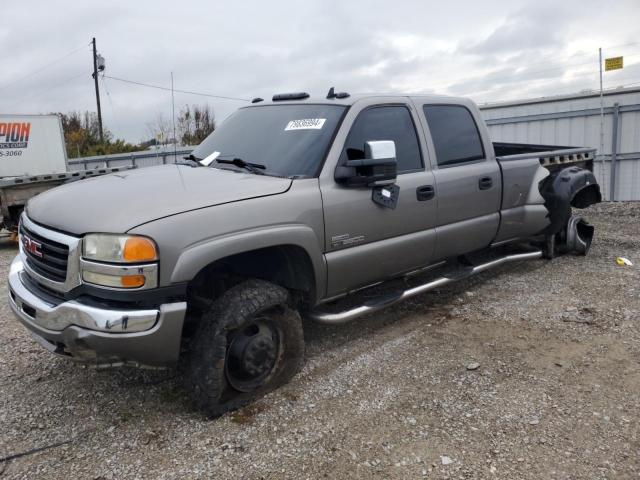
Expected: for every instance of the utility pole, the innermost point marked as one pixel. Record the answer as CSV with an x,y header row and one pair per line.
x,y
173,116
95,79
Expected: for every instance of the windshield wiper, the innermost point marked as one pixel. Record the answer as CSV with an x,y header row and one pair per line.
x,y
238,162
189,160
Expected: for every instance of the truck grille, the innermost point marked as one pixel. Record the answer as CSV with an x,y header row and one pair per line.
x,y
44,256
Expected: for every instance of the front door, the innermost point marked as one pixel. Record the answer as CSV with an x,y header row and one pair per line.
x,y
364,241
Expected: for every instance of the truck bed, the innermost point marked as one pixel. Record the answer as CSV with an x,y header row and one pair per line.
x,y
523,212
547,155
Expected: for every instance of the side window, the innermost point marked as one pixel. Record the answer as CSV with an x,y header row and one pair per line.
x,y
385,123
454,133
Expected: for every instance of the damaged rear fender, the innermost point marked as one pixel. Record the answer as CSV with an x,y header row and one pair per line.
x,y
566,188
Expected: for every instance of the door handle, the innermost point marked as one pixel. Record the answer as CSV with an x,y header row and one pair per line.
x,y
485,183
425,192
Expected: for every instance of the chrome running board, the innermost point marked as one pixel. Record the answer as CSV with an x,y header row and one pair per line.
x,y
387,300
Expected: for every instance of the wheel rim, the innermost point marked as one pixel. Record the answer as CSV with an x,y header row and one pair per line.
x,y
252,354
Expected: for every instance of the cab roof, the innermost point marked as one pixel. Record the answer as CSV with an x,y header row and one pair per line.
x,y
353,98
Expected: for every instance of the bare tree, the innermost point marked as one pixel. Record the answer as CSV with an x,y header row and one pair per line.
x,y
161,130
195,123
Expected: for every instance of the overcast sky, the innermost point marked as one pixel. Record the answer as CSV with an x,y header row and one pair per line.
x,y
488,50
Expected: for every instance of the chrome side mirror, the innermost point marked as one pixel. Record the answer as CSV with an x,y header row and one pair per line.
x,y
379,149
378,167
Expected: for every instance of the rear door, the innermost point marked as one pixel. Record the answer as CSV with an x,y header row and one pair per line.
x,y
364,241
467,178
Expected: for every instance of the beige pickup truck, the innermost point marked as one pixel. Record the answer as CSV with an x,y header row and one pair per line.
x,y
214,264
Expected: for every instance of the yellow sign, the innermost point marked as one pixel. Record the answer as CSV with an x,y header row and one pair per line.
x,y
614,63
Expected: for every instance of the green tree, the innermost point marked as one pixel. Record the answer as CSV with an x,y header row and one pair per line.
x,y
82,136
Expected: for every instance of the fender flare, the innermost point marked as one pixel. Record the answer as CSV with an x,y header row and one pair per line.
x,y
204,253
566,188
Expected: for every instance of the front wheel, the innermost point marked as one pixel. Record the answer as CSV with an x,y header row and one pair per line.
x,y
248,343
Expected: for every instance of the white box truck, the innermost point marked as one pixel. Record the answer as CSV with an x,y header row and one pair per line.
x,y
31,145
33,158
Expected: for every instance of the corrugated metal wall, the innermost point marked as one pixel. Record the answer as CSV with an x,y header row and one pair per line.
x,y
575,121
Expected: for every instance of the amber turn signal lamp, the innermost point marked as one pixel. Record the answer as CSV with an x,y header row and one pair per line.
x,y
139,249
132,281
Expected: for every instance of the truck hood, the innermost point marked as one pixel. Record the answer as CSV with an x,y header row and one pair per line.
x,y
118,202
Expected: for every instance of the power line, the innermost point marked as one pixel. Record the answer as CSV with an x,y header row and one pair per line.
x,y
113,110
620,46
176,90
562,92
44,67
58,85
515,79
530,72
609,89
546,70
558,67
587,54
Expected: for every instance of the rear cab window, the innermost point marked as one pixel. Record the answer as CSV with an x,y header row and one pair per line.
x,y
455,135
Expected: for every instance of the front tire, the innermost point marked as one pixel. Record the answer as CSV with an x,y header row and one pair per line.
x,y
247,344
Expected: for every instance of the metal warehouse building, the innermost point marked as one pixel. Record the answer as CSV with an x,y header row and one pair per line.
x,y
574,120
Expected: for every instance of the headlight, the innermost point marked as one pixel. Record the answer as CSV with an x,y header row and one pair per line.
x,y
118,248
119,261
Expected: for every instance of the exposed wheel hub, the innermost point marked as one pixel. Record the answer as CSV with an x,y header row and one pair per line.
x,y
252,355
259,355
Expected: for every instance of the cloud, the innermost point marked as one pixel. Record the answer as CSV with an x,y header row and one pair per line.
x,y
487,50
538,26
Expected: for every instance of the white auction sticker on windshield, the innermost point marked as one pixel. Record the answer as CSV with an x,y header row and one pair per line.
x,y
305,124
206,161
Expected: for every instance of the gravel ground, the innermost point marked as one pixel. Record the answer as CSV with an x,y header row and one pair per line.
x,y
528,371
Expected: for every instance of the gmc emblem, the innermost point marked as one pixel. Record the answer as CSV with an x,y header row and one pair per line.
x,y
31,246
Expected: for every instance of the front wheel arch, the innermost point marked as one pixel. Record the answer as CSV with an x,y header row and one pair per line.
x,y
288,266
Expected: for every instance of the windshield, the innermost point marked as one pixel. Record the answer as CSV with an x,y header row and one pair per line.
x,y
289,140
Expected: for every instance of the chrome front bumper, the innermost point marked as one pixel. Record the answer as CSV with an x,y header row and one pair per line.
x,y
101,336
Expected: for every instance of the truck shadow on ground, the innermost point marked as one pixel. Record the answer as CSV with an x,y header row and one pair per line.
x,y
140,401
115,394
435,306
